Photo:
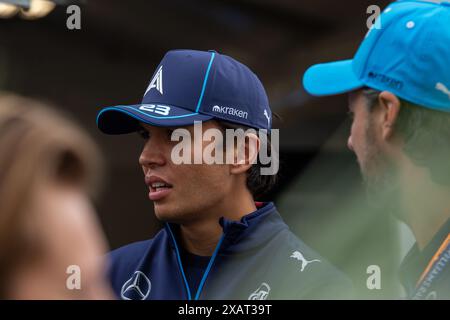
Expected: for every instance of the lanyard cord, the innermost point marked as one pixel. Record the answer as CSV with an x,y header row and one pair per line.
x,y
435,258
205,274
425,281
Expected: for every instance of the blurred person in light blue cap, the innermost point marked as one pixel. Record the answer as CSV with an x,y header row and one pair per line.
x,y
399,97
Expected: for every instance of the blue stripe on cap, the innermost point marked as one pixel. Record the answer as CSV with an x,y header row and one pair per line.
x,y
163,117
145,114
213,54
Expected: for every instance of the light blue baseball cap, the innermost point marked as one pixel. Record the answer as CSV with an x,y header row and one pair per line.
x,y
408,56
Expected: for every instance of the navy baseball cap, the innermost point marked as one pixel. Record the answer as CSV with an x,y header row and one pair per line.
x,y
408,56
190,86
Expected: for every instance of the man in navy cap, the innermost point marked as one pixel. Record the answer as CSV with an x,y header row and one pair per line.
x,y
217,242
399,97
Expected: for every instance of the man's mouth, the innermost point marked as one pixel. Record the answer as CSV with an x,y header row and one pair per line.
x,y
158,188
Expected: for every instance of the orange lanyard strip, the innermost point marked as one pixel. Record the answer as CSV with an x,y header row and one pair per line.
x,y
435,258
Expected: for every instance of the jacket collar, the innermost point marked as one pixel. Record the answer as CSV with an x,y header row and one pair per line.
x,y
253,230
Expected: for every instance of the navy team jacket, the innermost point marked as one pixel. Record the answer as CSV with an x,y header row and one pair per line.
x,y
256,258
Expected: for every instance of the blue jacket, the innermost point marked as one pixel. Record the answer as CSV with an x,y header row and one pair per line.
x,y
257,257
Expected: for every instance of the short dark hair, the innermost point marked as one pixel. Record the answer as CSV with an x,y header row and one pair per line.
x,y
258,184
425,133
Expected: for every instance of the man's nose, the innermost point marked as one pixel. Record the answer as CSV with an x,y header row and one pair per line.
x,y
350,143
152,155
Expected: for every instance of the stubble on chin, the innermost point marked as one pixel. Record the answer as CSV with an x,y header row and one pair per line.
x,y
381,183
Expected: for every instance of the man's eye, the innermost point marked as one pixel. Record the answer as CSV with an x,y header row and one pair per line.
x,y
169,133
144,134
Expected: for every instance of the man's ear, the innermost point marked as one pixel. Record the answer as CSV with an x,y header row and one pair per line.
x,y
390,108
246,156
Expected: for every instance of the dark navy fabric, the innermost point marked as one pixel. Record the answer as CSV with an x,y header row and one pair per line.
x,y
257,257
195,267
184,73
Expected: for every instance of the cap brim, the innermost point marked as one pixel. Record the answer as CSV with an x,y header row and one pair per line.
x,y
331,78
125,119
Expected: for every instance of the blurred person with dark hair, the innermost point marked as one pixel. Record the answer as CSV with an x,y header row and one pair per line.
x,y
217,241
48,229
399,98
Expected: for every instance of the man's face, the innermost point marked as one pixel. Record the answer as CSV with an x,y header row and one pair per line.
x,y
66,243
366,141
363,139
181,192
